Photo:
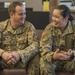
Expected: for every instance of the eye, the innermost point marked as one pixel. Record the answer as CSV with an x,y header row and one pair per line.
x,y
55,16
21,14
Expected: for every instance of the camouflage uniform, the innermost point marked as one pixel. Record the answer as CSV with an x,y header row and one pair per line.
x,y
24,41
52,38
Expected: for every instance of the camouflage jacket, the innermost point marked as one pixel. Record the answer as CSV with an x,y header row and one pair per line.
x,y
52,38
23,40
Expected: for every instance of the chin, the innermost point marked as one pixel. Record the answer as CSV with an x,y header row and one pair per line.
x,y
56,25
21,22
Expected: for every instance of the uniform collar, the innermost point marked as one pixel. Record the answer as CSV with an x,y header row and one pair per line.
x,y
67,31
18,30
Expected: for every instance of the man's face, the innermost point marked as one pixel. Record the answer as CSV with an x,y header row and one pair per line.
x,y
19,15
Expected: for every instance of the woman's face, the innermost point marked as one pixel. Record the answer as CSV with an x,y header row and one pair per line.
x,y
58,19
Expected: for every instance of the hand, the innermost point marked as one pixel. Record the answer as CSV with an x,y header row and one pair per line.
x,y
11,61
60,55
6,56
16,55
71,54
15,58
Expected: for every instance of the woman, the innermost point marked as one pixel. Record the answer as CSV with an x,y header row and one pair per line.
x,y
57,43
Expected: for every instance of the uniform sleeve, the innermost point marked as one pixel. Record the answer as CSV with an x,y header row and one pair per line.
x,y
1,50
73,37
74,45
32,48
46,44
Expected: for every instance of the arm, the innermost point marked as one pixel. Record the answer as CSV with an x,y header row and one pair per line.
x,y
46,44
73,51
1,50
32,49
3,54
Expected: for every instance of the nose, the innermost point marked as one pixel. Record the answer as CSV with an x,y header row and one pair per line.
x,y
24,15
54,19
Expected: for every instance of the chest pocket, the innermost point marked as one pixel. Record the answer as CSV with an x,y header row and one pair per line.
x,y
8,41
14,42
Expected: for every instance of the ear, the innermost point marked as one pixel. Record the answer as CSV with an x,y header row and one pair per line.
x,y
11,14
66,18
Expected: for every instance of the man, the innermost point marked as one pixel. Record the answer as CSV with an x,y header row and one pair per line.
x,y
18,40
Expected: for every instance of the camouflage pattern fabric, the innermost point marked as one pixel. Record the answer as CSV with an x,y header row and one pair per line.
x,y
52,38
23,40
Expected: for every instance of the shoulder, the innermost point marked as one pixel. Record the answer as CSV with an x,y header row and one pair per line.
x,y
73,26
29,24
48,30
3,24
49,27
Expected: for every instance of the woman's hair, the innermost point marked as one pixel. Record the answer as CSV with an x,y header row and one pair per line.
x,y
65,12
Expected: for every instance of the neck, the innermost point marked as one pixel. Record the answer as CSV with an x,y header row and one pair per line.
x,y
63,27
13,24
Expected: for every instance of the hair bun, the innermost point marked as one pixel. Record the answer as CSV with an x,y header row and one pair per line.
x,y
71,17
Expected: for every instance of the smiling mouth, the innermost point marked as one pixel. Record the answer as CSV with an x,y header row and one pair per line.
x,y
55,23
